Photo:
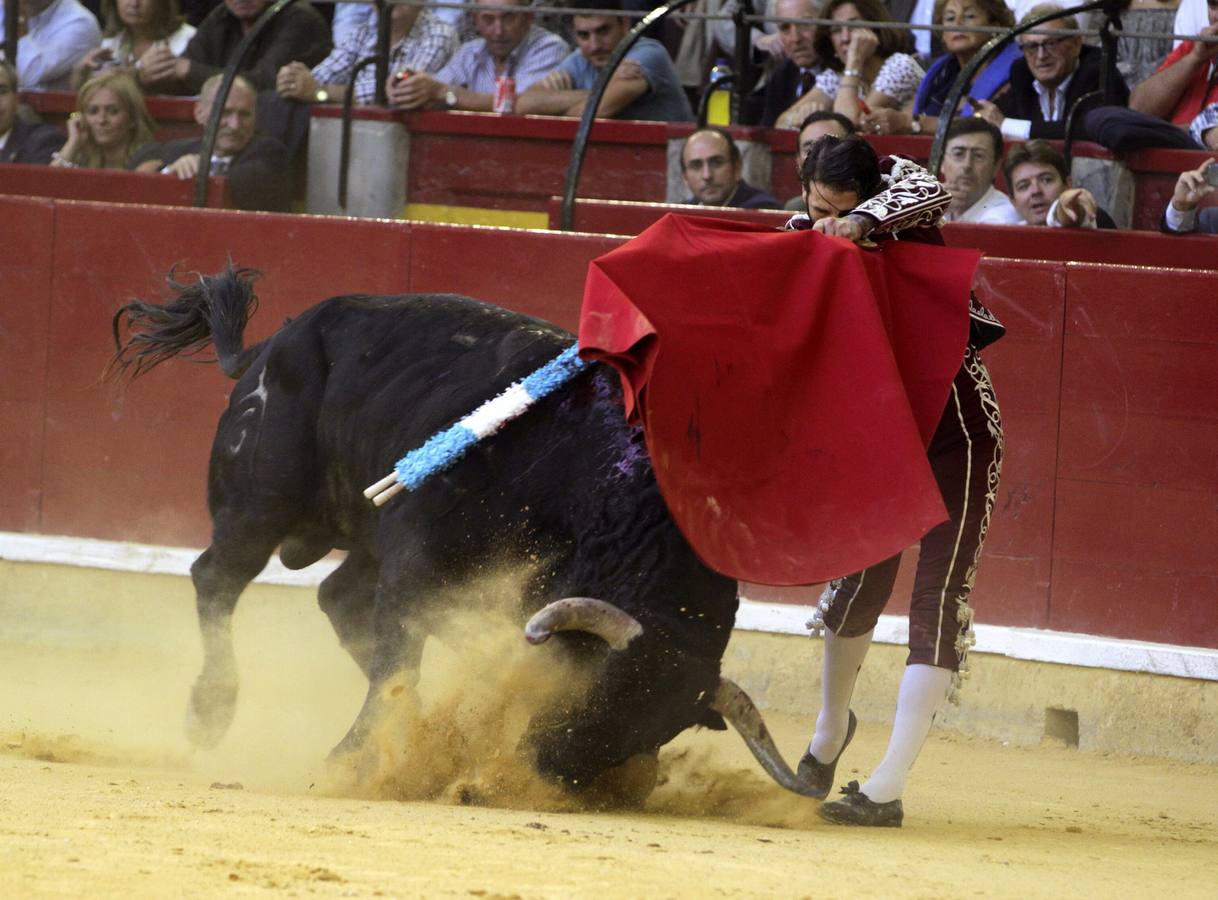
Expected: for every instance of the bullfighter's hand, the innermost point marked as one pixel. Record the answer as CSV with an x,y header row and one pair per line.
x,y
852,228
1191,186
1075,207
184,167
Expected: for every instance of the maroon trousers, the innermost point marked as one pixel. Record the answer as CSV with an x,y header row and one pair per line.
x,y
966,456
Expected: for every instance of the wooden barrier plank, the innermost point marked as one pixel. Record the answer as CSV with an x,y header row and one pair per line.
x,y
108,185
532,272
26,255
1135,562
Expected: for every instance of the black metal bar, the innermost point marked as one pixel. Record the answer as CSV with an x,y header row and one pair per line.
x,y
384,13
344,155
221,95
1068,144
743,68
704,100
580,146
984,55
10,33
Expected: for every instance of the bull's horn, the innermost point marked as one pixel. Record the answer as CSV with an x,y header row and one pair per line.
x,y
734,705
605,620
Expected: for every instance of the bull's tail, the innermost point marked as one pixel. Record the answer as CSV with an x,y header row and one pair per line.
x,y
212,310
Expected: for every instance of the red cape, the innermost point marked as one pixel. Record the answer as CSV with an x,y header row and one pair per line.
x,y
788,384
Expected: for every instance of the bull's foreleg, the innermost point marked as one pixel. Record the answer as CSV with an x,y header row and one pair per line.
x,y
347,596
394,663
219,578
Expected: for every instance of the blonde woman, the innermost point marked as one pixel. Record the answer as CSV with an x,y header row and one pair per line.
x,y
141,36
109,124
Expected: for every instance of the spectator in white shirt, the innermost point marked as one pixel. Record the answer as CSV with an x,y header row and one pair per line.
x,y
1181,216
970,162
53,36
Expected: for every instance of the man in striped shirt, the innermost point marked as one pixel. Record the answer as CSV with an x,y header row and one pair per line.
x,y
419,42
509,44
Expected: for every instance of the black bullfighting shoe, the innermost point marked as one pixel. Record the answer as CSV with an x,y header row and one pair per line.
x,y
818,775
856,808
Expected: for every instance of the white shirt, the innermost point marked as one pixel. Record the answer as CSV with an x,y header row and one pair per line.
x,y
1052,109
923,12
176,42
4,139
1191,17
57,38
1180,220
992,208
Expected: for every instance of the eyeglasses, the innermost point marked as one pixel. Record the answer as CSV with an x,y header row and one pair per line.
x,y
1049,46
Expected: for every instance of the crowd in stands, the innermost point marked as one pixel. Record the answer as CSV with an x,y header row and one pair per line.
x,y
835,77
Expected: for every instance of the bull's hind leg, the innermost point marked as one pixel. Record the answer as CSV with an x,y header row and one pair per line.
x,y
347,596
220,574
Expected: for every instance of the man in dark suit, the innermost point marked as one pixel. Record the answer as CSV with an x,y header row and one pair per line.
x,y
22,142
256,165
1056,70
1181,215
796,76
712,166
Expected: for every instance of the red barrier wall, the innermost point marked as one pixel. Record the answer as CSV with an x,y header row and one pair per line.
x,y
1110,529
108,185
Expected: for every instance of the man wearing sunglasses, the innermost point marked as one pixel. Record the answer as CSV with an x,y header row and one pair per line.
x,y
1055,71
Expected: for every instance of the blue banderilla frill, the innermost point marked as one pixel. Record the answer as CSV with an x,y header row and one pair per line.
x,y
444,448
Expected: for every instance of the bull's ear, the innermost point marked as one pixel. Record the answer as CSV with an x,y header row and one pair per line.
x,y
614,626
712,720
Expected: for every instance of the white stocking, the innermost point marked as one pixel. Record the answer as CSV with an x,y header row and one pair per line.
x,y
923,689
843,659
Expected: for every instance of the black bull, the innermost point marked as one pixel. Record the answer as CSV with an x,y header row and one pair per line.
x,y
323,408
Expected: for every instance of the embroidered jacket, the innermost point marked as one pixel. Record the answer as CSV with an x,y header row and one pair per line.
x,y
911,208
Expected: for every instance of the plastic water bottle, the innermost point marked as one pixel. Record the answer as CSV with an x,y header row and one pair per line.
x,y
719,107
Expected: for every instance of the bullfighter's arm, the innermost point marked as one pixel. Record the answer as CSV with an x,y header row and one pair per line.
x,y
913,199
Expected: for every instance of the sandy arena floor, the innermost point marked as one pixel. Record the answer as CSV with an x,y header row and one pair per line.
x,y
100,795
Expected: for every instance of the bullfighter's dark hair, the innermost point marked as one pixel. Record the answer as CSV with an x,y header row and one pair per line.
x,y
733,152
1034,151
843,164
976,125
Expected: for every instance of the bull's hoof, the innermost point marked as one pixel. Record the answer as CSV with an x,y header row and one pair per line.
x,y
210,713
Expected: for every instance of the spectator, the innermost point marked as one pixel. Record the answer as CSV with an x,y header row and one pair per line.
x,y
110,123
509,44
796,76
1186,83
1040,188
1138,58
52,36
299,33
351,17
1204,129
256,165
143,37
814,127
1191,18
865,71
711,166
1181,216
970,162
922,115
645,86
418,42
1054,73
31,143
